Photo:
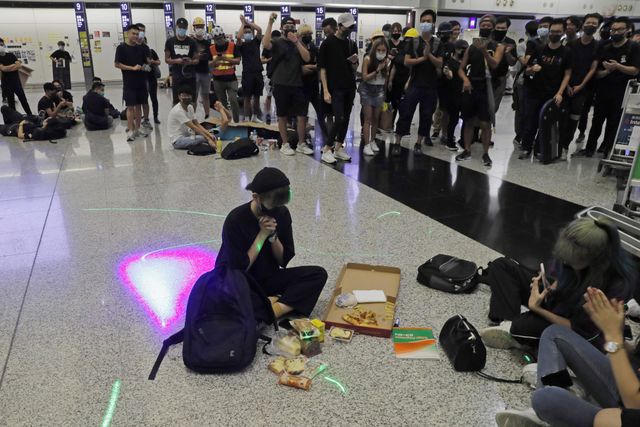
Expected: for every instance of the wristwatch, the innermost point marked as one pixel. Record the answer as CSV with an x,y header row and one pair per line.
x,y
612,347
273,237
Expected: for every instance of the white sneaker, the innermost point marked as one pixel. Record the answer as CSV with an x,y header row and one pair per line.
x,y
144,132
530,375
515,418
368,150
328,157
563,155
304,149
256,119
499,336
633,308
287,150
374,147
341,154
146,124
131,136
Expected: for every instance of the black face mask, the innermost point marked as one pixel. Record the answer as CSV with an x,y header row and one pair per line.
x,y
445,37
268,212
395,36
554,38
485,32
617,38
589,30
306,39
499,35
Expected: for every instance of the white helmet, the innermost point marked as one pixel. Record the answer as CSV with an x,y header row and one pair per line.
x,y
217,31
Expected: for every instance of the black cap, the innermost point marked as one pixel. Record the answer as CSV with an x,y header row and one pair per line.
x,y
461,44
287,20
182,22
268,179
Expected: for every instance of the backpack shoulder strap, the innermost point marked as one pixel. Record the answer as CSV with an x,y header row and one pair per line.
x,y
176,338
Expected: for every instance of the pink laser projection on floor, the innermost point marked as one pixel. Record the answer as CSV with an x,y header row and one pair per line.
x,y
161,280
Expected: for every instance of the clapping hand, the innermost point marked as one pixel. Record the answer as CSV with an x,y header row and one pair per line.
x,y
607,315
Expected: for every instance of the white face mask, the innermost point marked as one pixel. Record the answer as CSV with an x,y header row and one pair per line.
x,y
141,35
61,47
200,32
3,49
380,56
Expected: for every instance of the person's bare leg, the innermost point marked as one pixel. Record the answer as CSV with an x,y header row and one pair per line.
x,y
256,106
301,126
367,125
138,110
608,418
486,136
467,136
267,105
282,127
375,120
145,111
247,108
205,104
280,309
131,119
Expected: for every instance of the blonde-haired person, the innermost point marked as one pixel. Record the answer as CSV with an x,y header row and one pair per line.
x,y
375,77
587,254
311,87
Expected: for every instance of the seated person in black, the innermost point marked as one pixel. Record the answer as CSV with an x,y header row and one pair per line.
x,y
113,111
62,93
53,106
257,237
96,108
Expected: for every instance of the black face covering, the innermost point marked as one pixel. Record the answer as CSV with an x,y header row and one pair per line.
x,y
267,212
306,39
617,38
395,36
445,37
589,30
499,35
554,38
485,32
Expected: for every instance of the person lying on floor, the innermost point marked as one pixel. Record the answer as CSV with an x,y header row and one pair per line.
x,y
184,130
258,237
587,253
96,109
30,127
610,382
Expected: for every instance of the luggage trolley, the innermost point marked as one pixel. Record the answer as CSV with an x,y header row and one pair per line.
x,y
628,228
630,203
620,158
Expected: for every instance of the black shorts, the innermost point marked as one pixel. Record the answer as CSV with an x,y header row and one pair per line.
x,y
252,84
290,100
135,96
476,104
576,104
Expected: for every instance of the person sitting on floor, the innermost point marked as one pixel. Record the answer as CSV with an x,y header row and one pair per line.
x,y
184,130
113,111
609,381
587,253
62,93
53,106
257,237
96,109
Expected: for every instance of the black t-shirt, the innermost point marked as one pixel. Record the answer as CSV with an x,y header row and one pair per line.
x,y
583,56
66,95
288,68
95,103
402,73
425,73
238,233
202,48
503,67
628,54
448,50
311,80
476,68
452,87
332,56
45,103
61,54
132,56
9,77
554,62
186,48
250,52
532,45
266,53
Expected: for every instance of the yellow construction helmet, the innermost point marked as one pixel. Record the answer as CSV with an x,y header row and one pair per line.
x,y
198,21
411,32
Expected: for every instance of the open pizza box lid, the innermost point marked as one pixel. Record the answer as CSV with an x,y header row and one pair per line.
x,y
366,277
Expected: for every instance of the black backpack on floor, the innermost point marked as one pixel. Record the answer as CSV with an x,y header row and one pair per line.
x,y
449,274
220,328
240,149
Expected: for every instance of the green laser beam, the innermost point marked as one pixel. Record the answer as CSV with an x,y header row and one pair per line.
x,y
388,213
337,383
115,394
154,210
179,246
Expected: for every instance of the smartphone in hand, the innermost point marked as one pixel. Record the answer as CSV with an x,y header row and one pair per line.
x,y
543,275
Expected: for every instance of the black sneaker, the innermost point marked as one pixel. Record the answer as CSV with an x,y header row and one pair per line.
x,y
396,150
465,155
428,142
525,155
156,121
491,144
436,133
452,146
417,148
583,153
486,160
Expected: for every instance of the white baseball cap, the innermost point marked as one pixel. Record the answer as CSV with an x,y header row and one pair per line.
x,y
346,20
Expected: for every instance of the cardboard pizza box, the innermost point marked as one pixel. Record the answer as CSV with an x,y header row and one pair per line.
x,y
366,277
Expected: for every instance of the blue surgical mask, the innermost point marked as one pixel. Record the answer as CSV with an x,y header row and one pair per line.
x,y
248,37
543,32
141,35
181,32
426,27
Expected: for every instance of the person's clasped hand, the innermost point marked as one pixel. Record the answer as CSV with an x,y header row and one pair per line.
x,y
268,225
607,315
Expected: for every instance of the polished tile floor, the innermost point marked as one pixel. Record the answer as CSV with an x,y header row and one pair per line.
x,y
100,238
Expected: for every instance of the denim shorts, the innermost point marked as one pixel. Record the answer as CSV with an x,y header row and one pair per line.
x,y
371,95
